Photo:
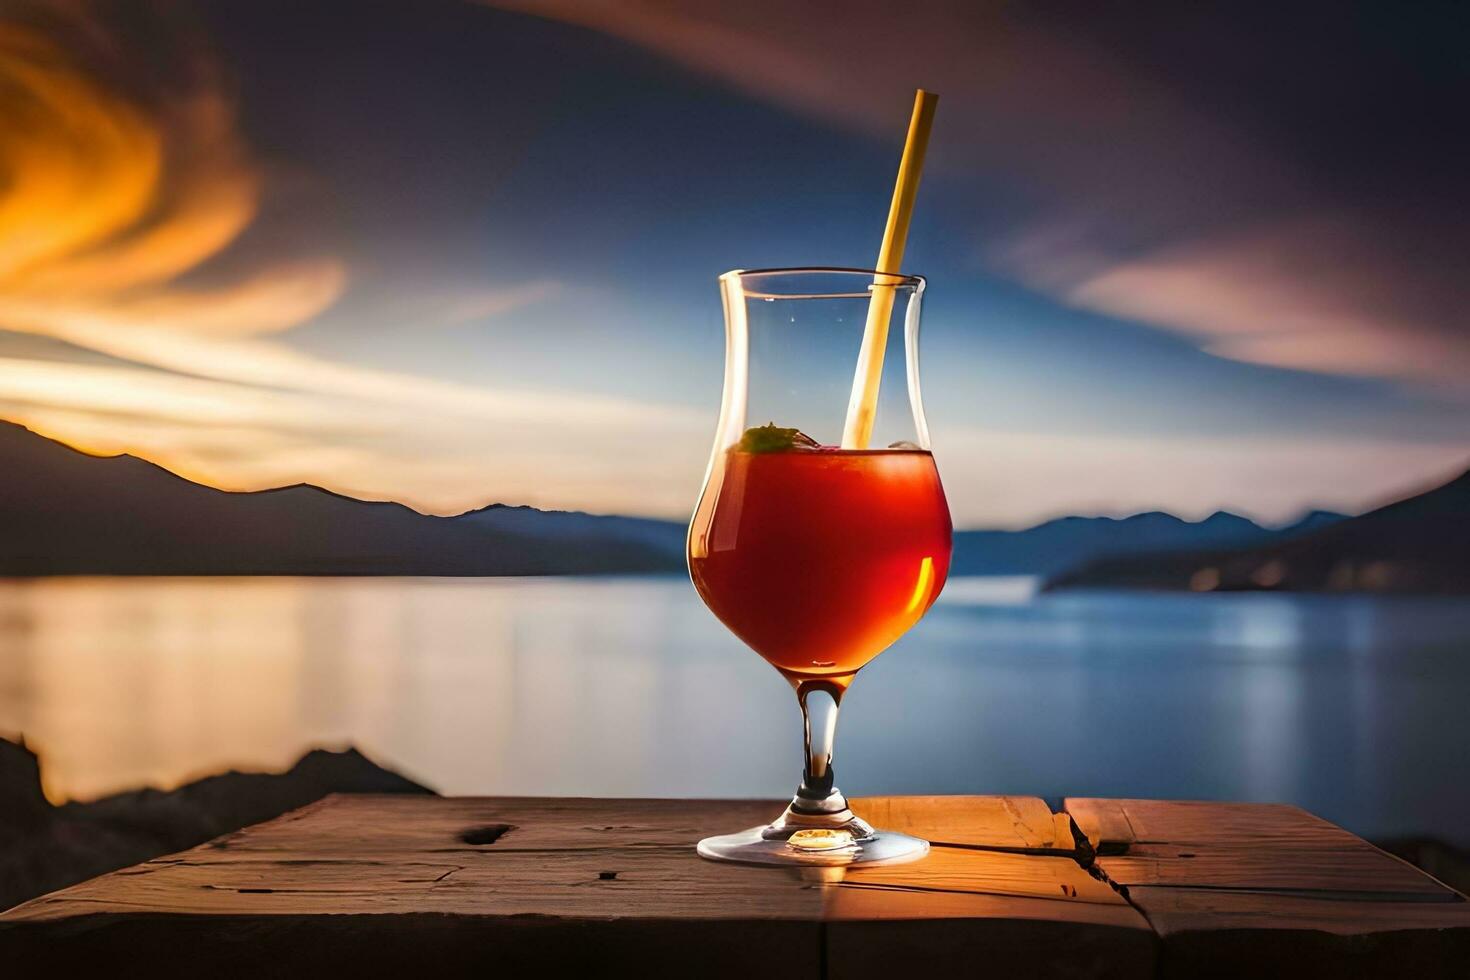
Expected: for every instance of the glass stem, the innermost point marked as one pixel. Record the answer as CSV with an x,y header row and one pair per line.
x,y
818,792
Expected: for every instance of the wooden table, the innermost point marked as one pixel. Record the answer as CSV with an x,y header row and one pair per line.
x,y
406,887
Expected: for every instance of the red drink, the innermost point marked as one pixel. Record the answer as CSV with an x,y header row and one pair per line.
x,y
820,559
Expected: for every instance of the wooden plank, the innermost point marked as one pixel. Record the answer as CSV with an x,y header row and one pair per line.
x,y
1246,846
1001,887
1214,934
1356,867
1015,823
651,884
1193,821
1023,914
1269,890
991,873
1177,910
409,944
401,824
369,854
863,904
1000,944
551,886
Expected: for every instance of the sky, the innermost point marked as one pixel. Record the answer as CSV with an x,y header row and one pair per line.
x,y
1195,257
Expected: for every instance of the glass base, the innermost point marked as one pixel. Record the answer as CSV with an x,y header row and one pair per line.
x,y
753,846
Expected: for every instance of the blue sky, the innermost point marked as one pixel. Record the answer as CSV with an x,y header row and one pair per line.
x,y
449,254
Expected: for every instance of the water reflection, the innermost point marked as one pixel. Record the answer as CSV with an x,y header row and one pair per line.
x,y
1349,706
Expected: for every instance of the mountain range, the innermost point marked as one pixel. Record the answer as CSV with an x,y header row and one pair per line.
x,y
66,512
1058,545
1416,545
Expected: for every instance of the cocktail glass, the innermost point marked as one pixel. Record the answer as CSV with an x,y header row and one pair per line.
x,y
818,556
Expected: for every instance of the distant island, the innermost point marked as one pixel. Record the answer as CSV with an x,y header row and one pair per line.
x,y
64,512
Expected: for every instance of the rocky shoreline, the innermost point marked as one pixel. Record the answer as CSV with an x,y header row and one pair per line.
x,y
45,847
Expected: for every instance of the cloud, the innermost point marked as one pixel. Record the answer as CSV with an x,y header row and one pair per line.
x,y
1303,295
1015,479
104,200
484,304
1147,170
114,216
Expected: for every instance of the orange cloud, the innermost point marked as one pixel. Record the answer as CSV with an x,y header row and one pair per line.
x,y
106,206
79,166
109,214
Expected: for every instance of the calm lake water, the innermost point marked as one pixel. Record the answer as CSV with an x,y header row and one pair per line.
x,y
1353,707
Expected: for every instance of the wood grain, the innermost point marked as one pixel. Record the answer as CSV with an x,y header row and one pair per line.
x,y
383,876
396,886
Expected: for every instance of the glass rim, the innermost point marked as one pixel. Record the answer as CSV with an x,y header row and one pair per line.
x,y
897,280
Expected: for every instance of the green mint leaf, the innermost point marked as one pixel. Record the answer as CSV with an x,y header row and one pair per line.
x,y
771,438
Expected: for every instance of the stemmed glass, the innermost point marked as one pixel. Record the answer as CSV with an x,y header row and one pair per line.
x,y
819,556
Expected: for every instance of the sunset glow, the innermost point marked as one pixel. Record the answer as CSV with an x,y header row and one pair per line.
x,y
108,211
447,292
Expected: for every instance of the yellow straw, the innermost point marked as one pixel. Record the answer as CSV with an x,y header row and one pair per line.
x,y
863,405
